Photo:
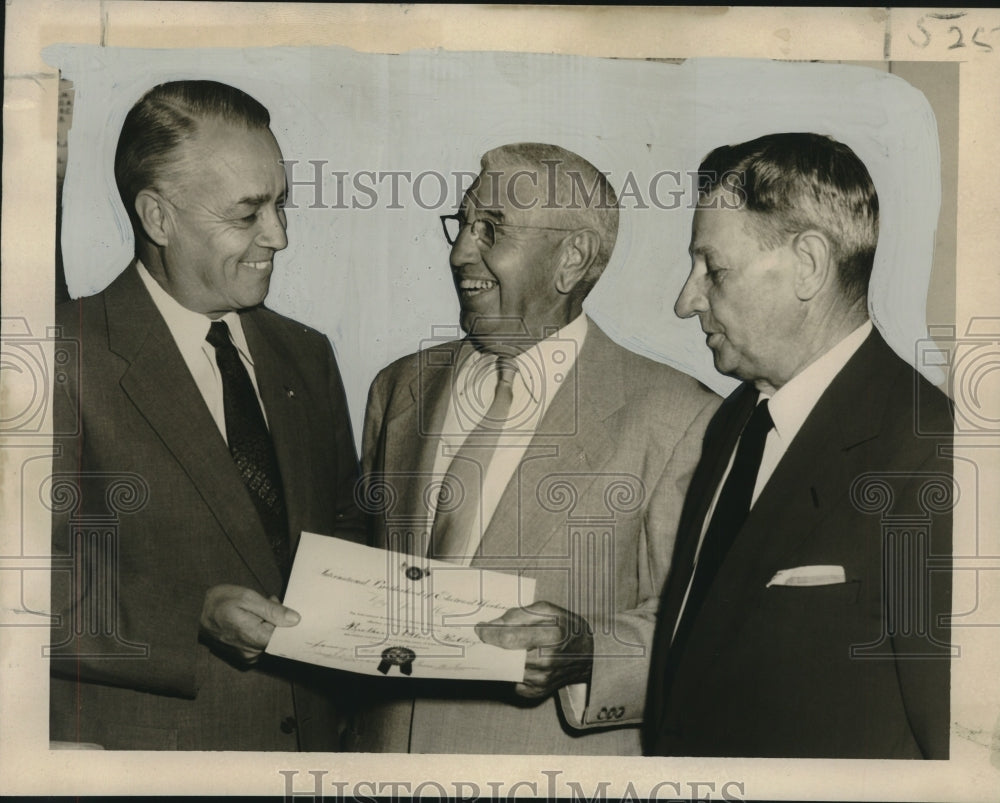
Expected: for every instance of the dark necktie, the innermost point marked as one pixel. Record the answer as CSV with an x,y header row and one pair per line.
x,y
460,497
250,442
730,512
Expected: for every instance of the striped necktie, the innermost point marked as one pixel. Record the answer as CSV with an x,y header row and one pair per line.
x,y
460,497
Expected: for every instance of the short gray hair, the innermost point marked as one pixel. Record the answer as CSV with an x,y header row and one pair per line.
x,y
580,189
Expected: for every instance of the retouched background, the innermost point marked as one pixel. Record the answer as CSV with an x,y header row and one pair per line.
x,y
374,276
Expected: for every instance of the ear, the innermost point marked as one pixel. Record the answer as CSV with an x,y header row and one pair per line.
x,y
151,211
579,252
814,266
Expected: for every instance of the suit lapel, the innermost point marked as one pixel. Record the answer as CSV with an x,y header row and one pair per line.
x,y
413,427
816,471
160,386
573,439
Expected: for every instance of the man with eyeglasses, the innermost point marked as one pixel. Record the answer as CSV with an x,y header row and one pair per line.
x,y
536,446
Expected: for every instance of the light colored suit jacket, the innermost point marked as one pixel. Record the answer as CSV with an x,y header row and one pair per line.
x,y
590,513
150,511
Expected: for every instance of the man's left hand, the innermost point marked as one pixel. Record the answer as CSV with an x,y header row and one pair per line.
x,y
560,646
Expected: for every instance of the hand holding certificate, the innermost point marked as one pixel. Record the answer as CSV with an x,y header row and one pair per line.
x,y
374,612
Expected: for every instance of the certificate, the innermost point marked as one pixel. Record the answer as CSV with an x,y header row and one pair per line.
x,y
379,612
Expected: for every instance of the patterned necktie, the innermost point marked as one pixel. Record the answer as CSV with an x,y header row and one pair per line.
x,y
460,497
730,512
250,443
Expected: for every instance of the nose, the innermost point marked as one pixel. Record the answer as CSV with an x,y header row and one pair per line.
x,y
691,300
465,250
272,229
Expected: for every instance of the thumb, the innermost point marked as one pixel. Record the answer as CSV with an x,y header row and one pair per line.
x,y
278,615
503,634
492,632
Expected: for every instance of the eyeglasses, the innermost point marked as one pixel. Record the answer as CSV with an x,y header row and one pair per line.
x,y
485,231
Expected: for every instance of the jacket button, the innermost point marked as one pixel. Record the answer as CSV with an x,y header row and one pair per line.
x,y
288,725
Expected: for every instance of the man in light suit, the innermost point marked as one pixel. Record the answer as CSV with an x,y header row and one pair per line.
x,y
804,614
193,465
578,486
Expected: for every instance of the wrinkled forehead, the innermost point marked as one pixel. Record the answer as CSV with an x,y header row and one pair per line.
x,y
720,208
221,151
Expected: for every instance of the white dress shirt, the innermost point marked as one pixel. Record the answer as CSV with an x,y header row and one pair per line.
x,y
189,330
789,408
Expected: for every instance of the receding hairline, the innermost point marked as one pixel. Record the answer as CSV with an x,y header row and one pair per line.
x,y
599,212
536,159
185,159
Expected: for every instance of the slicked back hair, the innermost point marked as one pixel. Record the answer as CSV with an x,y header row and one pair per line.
x,y
583,196
165,117
795,182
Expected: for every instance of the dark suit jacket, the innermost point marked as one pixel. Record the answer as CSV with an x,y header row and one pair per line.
x,y
858,669
590,513
150,509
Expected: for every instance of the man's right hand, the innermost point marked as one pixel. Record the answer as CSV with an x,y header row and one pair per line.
x,y
242,619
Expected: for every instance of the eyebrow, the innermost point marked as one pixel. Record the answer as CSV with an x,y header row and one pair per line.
x,y
495,214
257,200
702,249
250,200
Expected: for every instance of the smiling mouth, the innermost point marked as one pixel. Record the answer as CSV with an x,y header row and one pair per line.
x,y
467,288
262,265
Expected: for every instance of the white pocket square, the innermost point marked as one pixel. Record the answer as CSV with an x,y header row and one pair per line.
x,y
809,576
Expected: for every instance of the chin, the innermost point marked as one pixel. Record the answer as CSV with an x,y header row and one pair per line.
x,y
257,295
724,366
477,323
250,301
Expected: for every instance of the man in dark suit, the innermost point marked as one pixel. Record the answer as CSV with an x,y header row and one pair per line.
x,y
803,616
209,432
577,483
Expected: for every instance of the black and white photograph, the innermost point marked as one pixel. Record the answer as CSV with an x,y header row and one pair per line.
x,y
504,386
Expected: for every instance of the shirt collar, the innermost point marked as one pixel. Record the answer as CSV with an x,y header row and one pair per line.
x,y
189,328
792,402
542,368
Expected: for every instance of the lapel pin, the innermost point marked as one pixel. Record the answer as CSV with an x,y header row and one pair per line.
x,y
289,392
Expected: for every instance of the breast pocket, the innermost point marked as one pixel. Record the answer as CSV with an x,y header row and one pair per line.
x,y
806,598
